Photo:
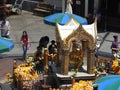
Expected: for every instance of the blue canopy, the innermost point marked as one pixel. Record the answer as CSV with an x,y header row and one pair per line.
x,y
108,82
102,79
111,84
63,18
6,45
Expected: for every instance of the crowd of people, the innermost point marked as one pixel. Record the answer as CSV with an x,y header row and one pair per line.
x,y
39,53
39,59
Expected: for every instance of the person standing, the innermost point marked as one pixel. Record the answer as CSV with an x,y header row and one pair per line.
x,y
52,47
38,59
5,28
52,52
69,7
43,42
114,45
24,41
90,18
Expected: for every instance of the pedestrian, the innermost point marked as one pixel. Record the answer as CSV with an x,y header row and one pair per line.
x,y
52,52
90,18
52,47
24,40
52,79
38,60
114,45
44,41
69,7
5,28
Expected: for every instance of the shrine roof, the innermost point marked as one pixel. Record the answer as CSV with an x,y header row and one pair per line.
x,y
72,25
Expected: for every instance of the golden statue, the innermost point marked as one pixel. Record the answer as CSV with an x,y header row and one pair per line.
x,y
76,55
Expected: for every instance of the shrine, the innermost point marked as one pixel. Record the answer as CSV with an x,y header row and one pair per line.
x,y
76,45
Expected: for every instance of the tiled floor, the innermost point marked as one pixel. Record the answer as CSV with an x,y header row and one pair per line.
x,y
6,66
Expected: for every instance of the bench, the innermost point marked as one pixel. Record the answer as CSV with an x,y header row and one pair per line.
x,y
44,7
42,10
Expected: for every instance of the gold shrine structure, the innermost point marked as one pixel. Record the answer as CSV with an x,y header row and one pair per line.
x,y
76,41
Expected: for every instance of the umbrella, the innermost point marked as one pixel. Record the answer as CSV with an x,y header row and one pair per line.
x,y
105,78
63,18
6,45
112,84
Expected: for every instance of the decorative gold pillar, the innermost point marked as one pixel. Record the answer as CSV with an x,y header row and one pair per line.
x,y
58,53
45,60
58,45
84,47
84,44
90,61
84,50
65,61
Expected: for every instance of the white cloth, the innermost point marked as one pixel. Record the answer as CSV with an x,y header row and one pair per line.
x,y
69,8
6,26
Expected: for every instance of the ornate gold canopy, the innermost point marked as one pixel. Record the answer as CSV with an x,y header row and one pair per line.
x,y
74,31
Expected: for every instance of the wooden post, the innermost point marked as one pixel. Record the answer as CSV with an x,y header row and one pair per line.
x,y
73,81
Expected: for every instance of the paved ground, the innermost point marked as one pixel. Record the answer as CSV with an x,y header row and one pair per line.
x,y
36,28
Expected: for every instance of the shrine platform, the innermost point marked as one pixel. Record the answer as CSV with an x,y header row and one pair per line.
x,y
66,79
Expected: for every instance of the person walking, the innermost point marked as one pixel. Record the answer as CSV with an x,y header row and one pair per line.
x,y
5,28
114,45
24,41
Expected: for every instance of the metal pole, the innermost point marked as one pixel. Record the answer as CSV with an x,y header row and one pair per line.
x,y
105,16
63,6
86,7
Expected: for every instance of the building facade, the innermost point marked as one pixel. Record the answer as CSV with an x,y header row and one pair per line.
x,y
108,10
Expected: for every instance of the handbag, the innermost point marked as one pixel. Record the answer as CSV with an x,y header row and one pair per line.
x,y
29,45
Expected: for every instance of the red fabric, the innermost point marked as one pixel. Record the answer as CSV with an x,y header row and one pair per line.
x,y
24,41
7,10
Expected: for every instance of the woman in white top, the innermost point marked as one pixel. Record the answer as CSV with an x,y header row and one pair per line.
x,y
69,7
